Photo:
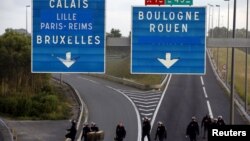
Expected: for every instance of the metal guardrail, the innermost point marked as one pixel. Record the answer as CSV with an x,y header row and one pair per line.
x,y
211,42
228,42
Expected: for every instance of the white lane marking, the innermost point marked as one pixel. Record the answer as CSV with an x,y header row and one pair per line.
x,y
1,122
134,95
4,124
159,104
135,98
146,110
205,92
144,106
151,102
143,93
206,96
136,111
202,81
88,80
210,109
144,114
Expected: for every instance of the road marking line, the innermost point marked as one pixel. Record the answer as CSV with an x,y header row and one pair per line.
x,y
148,106
4,124
152,102
146,110
142,94
130,91
89,80
133,95
205,92
144,114
202,81
1,122
159,104
136,111
146,100
210,109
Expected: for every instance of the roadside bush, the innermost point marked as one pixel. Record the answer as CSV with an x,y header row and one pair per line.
x,y
23,94
40,106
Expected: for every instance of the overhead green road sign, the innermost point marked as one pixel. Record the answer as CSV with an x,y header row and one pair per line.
x,y
179,2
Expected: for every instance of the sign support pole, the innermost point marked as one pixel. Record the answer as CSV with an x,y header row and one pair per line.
x,y
246,69
232,71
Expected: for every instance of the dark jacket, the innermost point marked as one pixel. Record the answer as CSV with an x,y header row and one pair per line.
x,y
192,129
161,132
206,122
120,132
94,128
85,131
220,122
72,132
146,127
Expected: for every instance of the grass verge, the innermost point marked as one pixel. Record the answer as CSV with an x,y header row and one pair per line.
x,y
239,68
121,68
50,104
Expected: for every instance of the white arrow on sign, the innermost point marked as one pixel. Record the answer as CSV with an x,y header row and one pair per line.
x,y
68,62
168,62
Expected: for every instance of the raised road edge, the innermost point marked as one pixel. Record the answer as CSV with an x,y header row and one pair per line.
x,y
237,102
83,110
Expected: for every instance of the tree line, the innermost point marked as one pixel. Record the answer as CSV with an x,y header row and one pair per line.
x,y
22,93
15,64
223,32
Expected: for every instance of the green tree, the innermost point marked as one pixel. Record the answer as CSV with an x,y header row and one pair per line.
x,y
15,64
114,33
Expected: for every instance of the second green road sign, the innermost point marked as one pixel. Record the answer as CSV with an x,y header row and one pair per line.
x,y
179,2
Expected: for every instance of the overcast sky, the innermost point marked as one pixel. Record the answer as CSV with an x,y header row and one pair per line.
x,y
118,13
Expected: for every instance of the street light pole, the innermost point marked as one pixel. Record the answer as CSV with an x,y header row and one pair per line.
x,y
227,37
217,62
246,69
212,21
27,18
209,16
218,15
232,71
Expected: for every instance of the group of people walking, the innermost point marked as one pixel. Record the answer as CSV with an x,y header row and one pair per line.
x,y
207,122
161,131
192,130
85,130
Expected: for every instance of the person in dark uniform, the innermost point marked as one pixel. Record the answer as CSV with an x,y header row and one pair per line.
x,y
120,132
72,131
205,123
93,127
192,129
161,132
85,131
220,121
146,127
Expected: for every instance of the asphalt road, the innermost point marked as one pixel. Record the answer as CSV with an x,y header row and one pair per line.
x,y
1,136
107,107
189,96
39,130
109,103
